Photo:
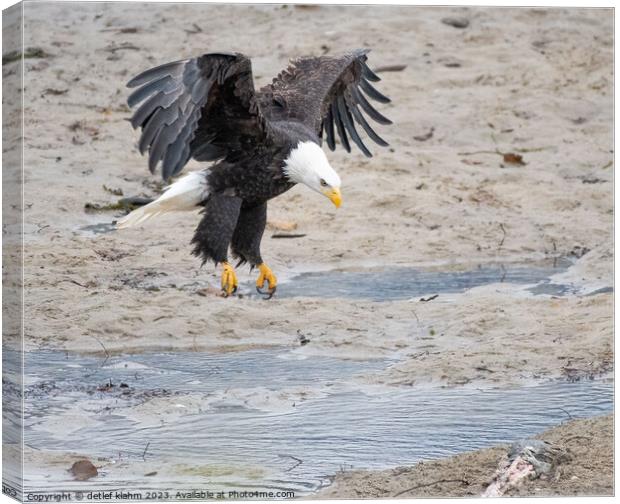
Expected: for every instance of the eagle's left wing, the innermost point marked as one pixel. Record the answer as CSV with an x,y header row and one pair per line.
x,y
326,93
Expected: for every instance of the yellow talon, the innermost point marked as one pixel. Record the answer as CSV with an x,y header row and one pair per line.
x,y
229,279
266,275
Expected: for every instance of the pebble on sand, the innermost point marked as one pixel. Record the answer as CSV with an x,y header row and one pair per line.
x,y
83,470
456,22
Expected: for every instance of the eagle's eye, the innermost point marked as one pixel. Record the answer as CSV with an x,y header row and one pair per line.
x,y
323,183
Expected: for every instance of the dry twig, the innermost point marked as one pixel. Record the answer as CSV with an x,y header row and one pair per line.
x,y
456,480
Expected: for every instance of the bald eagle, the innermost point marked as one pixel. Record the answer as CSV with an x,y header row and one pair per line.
x,y
262,142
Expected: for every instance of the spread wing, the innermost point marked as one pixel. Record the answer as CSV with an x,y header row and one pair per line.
x,y
204,108
328,94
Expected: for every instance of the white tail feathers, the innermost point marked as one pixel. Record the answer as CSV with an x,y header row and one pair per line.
x,y
184,194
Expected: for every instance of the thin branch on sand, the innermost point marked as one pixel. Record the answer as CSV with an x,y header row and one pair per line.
x,y
107,354
501,226
297,460
456,480
144,452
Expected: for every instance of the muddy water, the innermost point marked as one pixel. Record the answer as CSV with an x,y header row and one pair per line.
x,y
261,419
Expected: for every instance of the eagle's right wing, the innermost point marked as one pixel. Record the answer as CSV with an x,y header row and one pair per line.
x,y
328,92
203,108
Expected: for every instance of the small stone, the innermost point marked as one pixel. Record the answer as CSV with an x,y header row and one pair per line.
x,y
83,470
456,22
450,62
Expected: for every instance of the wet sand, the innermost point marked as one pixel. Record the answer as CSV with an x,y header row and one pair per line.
x,y
533,82
587,469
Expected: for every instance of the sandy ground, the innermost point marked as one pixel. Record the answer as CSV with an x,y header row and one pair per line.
x,y
532,82
535,82
585,469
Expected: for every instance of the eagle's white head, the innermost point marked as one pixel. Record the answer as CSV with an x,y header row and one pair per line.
x,y
307,164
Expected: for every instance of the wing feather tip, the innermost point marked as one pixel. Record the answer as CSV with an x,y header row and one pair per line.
x,y
347,121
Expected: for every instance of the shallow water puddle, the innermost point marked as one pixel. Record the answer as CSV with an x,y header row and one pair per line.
x,y
97,229
377,284
405,282
261,419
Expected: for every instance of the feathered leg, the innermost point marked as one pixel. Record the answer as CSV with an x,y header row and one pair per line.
x,y
248,233
246,244
214,234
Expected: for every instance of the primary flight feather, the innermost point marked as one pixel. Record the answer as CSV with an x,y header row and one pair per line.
x,y
262,142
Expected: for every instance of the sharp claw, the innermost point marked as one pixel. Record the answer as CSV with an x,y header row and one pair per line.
x,y
268,293
266,275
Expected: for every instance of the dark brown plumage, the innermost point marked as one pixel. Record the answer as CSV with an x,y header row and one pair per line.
x,y
207,108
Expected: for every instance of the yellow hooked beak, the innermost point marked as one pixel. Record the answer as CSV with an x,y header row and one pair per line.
x,y
334,195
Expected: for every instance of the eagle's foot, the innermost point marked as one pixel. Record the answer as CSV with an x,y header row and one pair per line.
x,y
229,279
266,275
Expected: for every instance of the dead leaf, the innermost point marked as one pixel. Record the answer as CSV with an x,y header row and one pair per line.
x,y
511,158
